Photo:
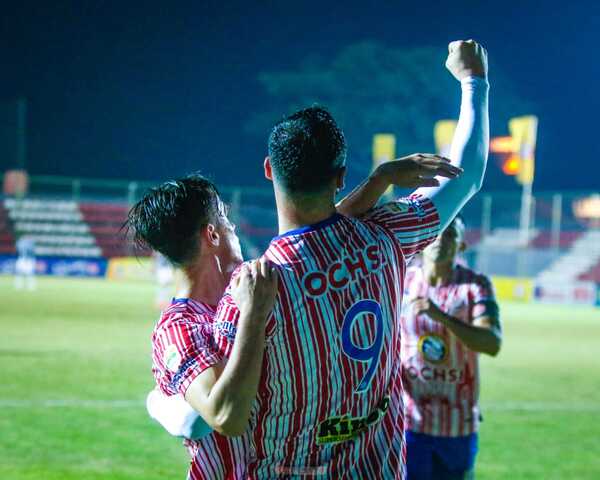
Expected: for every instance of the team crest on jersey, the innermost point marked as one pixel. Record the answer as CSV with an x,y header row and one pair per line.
x,y
172,358
433,348
340,429
415,203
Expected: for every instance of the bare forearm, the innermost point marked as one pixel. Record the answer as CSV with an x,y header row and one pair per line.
x,y
478,339
233,394
364,197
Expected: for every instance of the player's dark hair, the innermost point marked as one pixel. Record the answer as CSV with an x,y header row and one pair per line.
x,y
168,218
307,149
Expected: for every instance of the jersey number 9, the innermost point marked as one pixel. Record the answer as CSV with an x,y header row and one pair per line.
x,y
370,353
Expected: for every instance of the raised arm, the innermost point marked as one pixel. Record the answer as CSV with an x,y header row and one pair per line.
x,y
467,61
413,171
224,397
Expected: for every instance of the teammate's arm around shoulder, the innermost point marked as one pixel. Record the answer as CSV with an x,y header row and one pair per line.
x,y
224,395
467,61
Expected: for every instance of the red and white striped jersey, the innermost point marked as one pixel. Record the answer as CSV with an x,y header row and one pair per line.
x,y
440,374
329,400
182,348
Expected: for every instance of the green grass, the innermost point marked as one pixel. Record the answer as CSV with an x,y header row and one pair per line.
x,y
89,340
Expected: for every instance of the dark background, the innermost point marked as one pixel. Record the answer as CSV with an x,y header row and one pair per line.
x,y
148,90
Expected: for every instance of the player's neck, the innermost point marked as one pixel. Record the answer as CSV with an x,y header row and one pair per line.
x,y
293,214
438,273
208,280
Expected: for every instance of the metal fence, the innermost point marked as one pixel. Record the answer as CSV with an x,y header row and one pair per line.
x,y
503,244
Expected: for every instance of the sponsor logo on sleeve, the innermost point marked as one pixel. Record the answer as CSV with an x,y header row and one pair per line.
x,y
227,330
172,358
417,206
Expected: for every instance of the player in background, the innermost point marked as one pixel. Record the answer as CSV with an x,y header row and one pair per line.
x,y
25,264
449,316
330,397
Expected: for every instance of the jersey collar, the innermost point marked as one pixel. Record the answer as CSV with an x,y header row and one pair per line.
x,y
311,228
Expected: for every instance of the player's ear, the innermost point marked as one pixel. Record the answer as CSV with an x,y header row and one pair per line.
x,y
211,235
462,247
267,166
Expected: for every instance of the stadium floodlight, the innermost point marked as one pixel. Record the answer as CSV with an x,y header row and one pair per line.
x,y
511,165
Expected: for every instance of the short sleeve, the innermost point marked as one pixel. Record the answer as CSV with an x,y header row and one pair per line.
x,y
483,298
413,220
225,324
182,349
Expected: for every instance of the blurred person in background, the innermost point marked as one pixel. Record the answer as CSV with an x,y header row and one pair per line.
x,y
25,264
449,317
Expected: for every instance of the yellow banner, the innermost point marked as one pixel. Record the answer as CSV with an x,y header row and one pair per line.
x,y
524,133
513,288
384,150
130,268
443,132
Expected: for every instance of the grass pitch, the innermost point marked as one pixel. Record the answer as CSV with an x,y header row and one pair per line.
x,y
75,368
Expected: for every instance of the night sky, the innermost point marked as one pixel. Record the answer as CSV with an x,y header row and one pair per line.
x,y
149,90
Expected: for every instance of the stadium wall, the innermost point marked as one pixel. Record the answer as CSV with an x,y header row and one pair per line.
x,y
59,266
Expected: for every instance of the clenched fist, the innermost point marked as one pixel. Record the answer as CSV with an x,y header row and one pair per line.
x,y
466,58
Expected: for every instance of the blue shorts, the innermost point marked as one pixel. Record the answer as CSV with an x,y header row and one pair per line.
x,y
439,458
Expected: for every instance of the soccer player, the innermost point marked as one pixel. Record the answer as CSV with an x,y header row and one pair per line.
x,y
25,264
449,316
186,221
330,397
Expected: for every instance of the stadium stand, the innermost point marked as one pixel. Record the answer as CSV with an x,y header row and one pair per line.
x,y
565,239
579,261
93,229
7,241
56,226
105,221
592,275
66,228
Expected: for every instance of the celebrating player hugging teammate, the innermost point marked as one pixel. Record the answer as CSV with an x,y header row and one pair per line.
x,y
330,370
187,222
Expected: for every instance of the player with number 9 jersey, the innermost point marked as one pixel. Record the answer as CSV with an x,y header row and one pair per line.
x,y
330,395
